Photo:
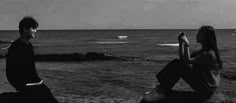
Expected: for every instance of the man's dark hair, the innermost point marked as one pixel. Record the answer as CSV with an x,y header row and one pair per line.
x,y
26,23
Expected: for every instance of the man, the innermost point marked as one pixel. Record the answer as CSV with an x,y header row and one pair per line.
x,y
20,66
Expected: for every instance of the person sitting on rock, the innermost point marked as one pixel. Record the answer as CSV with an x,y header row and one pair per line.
x,y
201,70
20,66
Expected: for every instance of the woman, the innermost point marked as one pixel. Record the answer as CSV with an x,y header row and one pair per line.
x,y
201,70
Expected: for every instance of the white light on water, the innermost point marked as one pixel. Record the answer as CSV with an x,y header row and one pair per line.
x,y
122,37
170,44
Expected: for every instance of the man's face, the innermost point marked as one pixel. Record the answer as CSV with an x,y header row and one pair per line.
x,y
30,33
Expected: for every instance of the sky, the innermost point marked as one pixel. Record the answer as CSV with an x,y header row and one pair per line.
x,y
119,14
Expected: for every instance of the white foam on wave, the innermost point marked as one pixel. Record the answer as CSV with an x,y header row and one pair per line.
x,y
169,44
110,42
122,37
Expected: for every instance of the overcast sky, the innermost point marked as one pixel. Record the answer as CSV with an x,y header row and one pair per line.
x,y
120,14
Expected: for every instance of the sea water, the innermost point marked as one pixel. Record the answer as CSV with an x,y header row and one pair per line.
x,y
150,43
136,43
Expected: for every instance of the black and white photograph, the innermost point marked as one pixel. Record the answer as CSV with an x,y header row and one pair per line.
x,y
118,51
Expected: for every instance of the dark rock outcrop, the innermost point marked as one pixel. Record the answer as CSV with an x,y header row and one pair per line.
x,y
229,75
8,97
3,42
60,57
18,97
90,56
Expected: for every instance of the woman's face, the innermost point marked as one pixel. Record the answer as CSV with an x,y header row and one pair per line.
x,y
200,37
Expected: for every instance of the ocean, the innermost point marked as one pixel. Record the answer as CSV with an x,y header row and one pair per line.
x,y
137,43
73,81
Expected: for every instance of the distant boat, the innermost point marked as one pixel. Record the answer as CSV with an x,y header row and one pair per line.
x,y
122,37
233,34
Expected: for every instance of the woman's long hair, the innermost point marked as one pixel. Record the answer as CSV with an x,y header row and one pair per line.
x,y
211,42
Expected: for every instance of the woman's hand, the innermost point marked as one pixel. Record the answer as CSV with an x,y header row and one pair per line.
x,y
180,37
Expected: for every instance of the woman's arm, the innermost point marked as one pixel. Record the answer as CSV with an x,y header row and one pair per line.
x,y
186,56
181,51
184,53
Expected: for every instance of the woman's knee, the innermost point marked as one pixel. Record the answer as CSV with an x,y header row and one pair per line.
x,y
173,69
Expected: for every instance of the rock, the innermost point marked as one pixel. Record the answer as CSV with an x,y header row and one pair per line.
x,y
60,57
90,56
99,56
5,42
8,97
19,97
229,75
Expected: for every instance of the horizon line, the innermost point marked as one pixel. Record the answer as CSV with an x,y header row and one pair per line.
x,y
118,29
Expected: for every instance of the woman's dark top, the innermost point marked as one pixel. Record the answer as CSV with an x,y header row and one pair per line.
x,y
20,65
207,67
